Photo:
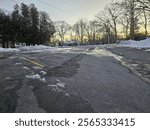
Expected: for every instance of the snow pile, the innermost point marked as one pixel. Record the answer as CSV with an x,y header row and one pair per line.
x,y
8,50
147,50
35,77
38,48
43,72
59,87
34,49
136,44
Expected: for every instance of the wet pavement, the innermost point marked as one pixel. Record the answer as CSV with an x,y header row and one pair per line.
x,y
77,81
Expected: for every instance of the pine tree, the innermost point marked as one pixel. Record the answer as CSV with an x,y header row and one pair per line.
x,y
15,18
5,29
47,28
25,24
34,30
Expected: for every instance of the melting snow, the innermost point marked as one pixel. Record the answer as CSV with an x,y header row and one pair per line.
x,y
43,72
147,50
67,94
58,80
25,68
52,85
58,87
103,52
37,67
35,77
32,49
18,63
62,85
9,50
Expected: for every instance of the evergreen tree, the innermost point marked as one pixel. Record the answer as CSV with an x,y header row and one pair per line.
x,y
47,28
5,29
34,30
16,23
25,24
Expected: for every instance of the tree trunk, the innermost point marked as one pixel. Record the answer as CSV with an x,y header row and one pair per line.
x,y
3,43
127,28
132,22
115,28
145,25
7,44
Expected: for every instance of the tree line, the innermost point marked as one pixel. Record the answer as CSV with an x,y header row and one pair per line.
x,y
128,19
25,24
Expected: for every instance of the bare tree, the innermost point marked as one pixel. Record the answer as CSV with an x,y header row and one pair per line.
x,y
131,10
112,13
104,25
132,17
144,4
79,29
124,18
91,30
61,29
124,21
72,34
144,21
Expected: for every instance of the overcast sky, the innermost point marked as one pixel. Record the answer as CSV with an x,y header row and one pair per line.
x,y
68,10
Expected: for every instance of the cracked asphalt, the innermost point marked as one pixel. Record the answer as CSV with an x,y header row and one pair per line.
x,y
81,80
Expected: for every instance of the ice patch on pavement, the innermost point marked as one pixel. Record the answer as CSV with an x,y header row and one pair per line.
x,y
37,67
103,52
17,63
59,87
8,78
52,85
67,94
43,72
13,57
62,85
36,77
26,68
58,80
56,89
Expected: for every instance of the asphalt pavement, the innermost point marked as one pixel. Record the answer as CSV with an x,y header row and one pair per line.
x,y
81,80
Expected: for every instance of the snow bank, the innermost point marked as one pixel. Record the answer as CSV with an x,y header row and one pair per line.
x,y
8,50
136,44
38,48
32,49
147,50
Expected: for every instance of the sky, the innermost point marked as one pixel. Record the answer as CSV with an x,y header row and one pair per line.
x,y
68,10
